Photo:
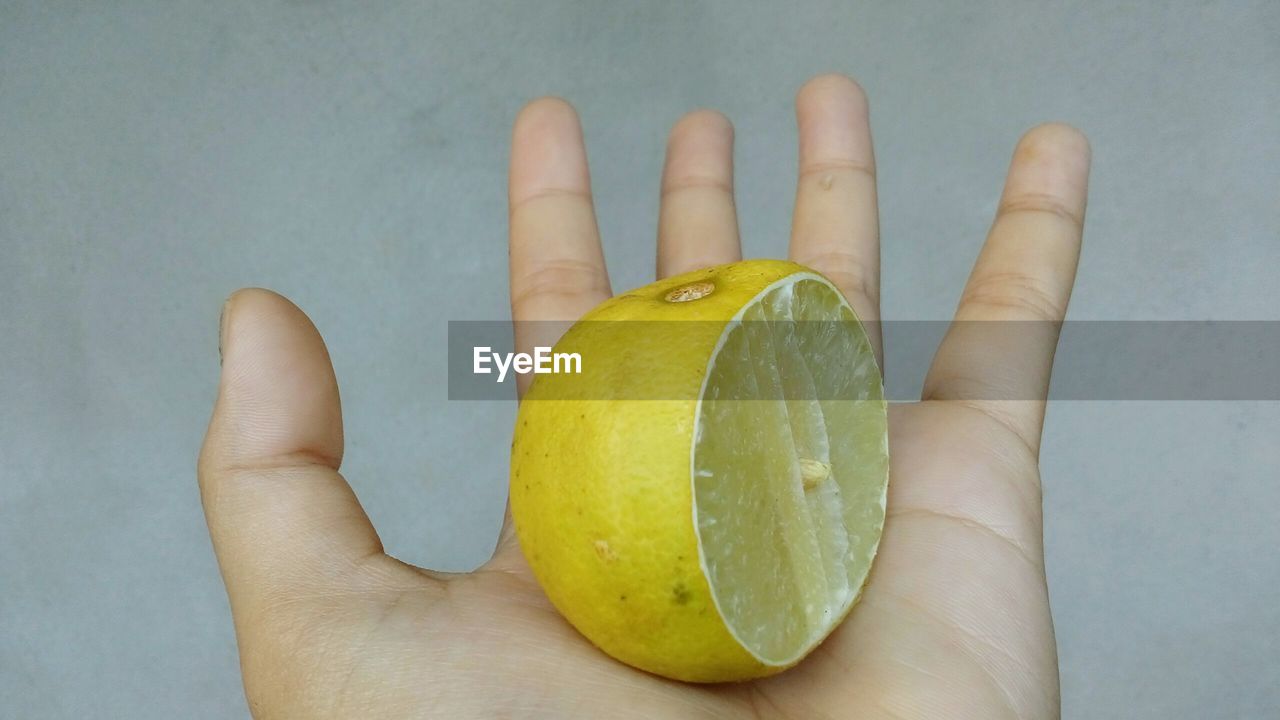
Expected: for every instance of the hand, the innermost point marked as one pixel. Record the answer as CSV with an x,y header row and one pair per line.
x,y
954,622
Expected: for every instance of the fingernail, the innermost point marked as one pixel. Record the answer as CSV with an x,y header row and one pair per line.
x,y
222,328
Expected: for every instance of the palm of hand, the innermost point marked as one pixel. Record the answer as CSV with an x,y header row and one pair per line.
x,y
954,621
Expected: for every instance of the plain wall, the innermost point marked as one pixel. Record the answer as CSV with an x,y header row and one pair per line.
x,y
154,156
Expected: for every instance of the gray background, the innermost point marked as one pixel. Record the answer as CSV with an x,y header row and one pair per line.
x,y
156,156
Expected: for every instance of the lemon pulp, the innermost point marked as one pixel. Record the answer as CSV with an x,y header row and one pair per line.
x,y
788,467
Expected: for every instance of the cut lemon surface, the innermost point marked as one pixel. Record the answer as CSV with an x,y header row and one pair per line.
x,y
704,500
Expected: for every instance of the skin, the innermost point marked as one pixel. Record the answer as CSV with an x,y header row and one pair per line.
x,y
955,620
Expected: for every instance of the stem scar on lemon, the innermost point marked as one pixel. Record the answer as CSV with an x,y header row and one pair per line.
x,y
705,499
692,291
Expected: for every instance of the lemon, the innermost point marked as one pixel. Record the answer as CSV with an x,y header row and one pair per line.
x,y
704,499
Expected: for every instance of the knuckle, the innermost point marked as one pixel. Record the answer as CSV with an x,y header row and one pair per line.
x,y
1042,204
571,194
847,272
557,278
1018,293
848,168
696,182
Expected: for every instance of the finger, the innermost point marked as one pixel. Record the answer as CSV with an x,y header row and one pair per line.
x,y
1023,279
557,267
835,229
556,264
280,515
697,222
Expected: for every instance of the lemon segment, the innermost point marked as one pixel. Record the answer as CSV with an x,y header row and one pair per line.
x,y
705,500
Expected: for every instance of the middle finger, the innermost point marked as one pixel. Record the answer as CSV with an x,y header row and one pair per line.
x,y
697,221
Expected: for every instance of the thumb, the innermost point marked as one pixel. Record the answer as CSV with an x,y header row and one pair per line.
x,y
281,517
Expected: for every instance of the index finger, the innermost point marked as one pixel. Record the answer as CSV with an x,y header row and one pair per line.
x,y
998,355
556,264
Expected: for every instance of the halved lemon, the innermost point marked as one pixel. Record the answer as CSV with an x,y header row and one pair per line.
x,y
704,499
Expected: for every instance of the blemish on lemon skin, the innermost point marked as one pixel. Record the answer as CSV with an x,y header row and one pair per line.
x,y
605,552
680,594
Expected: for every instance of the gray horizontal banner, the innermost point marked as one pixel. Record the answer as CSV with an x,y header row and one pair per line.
x,y
1095,360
